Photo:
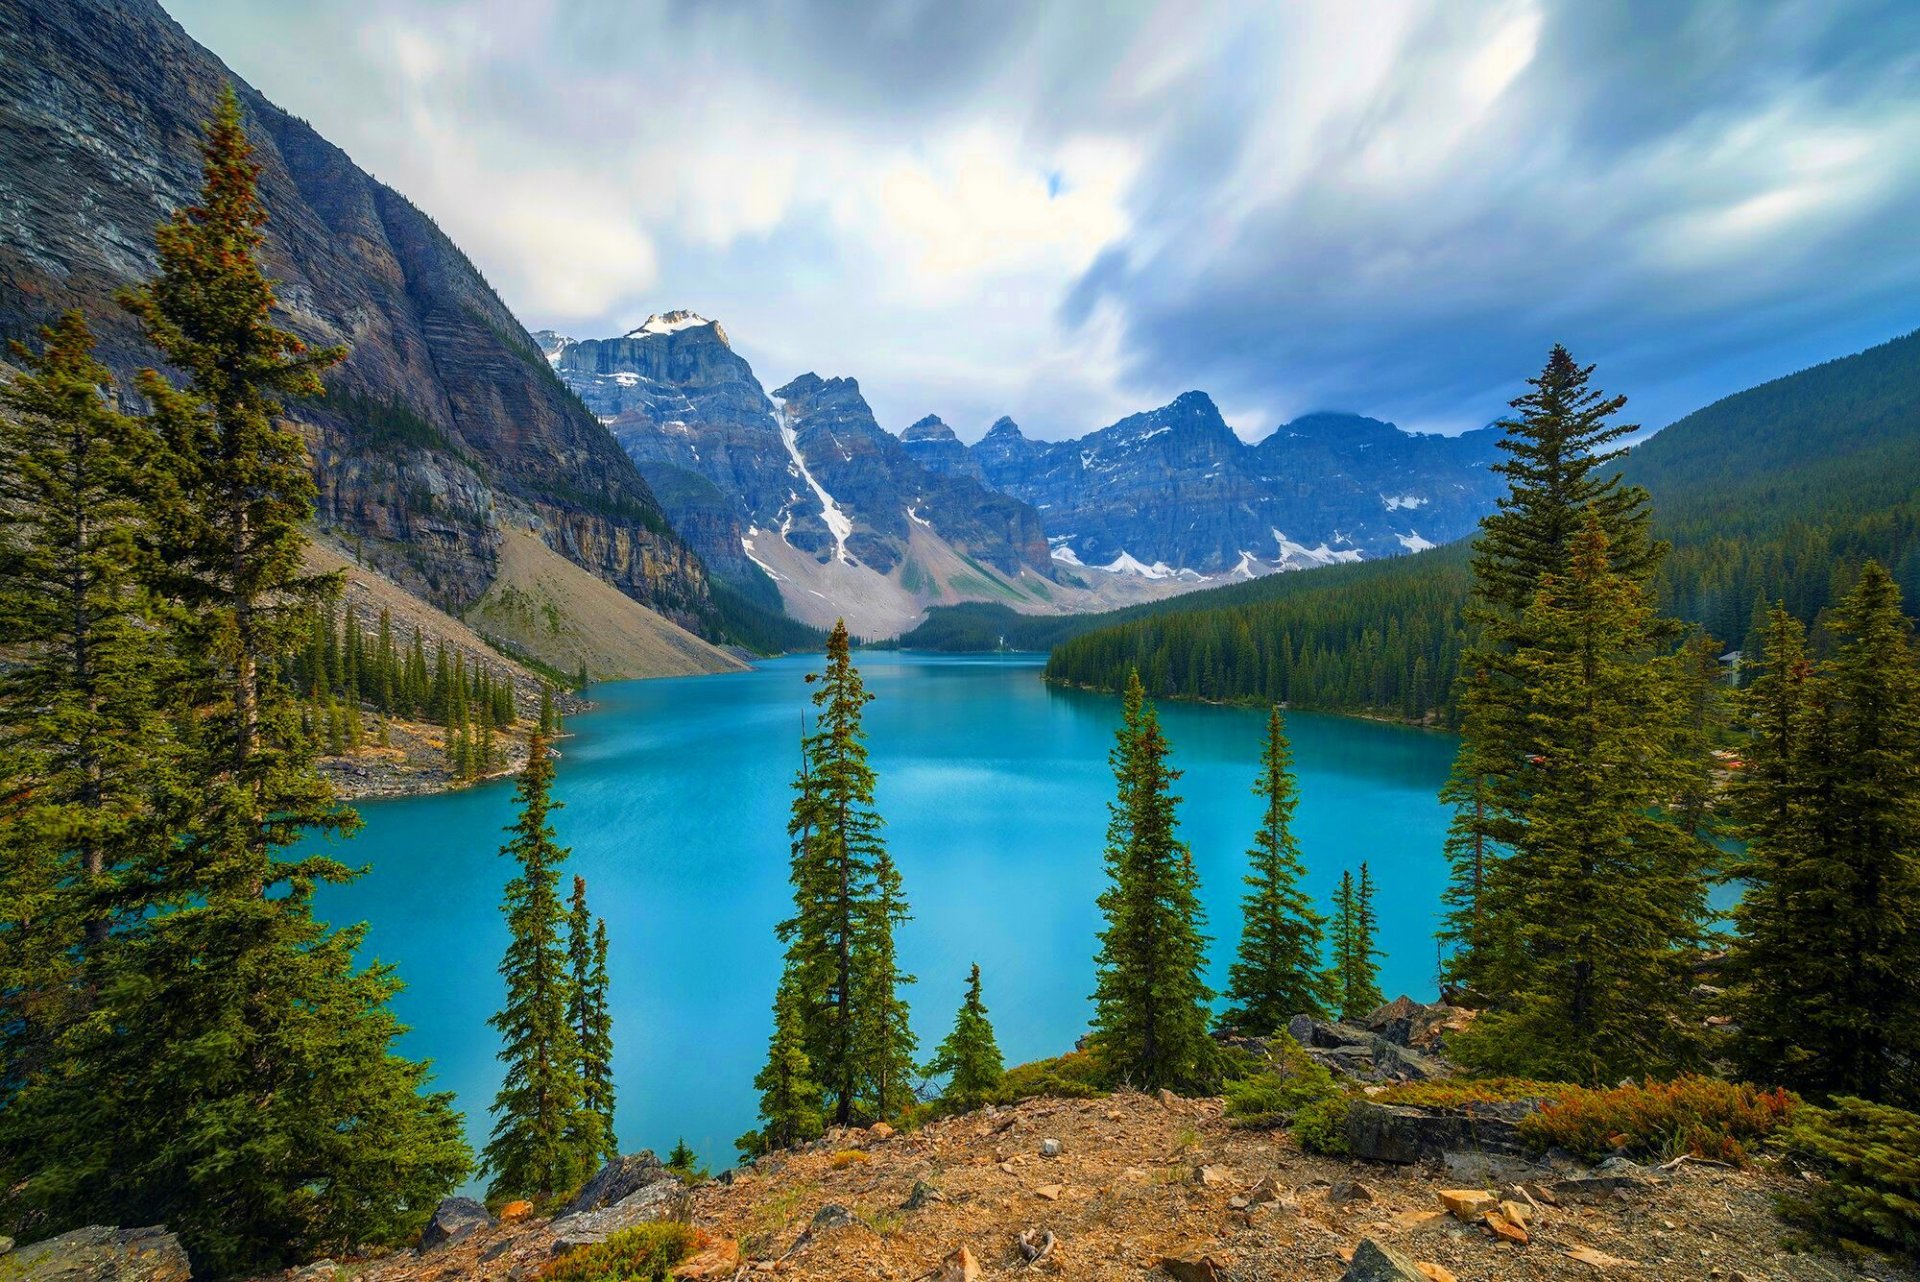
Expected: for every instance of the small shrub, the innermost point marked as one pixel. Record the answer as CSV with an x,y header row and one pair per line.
x,y
1465,1092
1697,1116
847,1157
1072,1076
1321,1127
1871,1156
643,1254
683,1163
1272,1098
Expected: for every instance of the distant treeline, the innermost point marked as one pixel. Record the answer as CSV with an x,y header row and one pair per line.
x,y
1779,493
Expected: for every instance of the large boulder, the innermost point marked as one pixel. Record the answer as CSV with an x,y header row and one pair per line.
x,y
618,1179
99,1254
1405,1022
1405,1134
664,1199
452,1220
1393,1061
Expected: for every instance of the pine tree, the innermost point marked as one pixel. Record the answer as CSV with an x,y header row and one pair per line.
x,y
1472,845
536,1147
847,901
87,746
1355,974
969,1057
1278,973
1150,999
1363,994
237,1080
1561,445
1602,891
884,1043
1829,924
791,1101
592,1022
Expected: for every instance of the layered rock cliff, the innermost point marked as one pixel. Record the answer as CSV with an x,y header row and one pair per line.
x,y
444,428
800,497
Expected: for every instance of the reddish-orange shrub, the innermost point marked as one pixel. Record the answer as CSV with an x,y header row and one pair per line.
x,y
1698,1116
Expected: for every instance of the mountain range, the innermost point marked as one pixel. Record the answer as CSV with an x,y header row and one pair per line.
x,y
801,497
655,461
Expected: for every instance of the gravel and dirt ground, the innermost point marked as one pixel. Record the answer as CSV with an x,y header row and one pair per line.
x,y
1146,1189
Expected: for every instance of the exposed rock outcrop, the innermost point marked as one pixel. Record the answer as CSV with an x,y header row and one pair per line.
x,y
443,426
99,1254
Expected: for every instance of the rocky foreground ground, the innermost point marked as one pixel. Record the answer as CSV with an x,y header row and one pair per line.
x,y
1138,1187
1146,1187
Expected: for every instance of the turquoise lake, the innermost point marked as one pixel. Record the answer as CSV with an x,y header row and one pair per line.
x,y
994,789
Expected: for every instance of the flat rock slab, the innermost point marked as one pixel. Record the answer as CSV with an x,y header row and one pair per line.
x,y
99,1254
657,1201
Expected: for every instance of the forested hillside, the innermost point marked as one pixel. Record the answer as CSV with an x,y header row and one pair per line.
x,y
1779,492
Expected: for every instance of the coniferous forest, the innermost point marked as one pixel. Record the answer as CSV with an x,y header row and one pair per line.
x,y
1780,493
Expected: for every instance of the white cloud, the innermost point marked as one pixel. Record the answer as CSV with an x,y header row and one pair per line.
x,y
1391,209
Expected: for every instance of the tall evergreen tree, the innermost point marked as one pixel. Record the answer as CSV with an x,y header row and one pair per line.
x,y
85,744
1561,445
969,1057
1278,973
847,900
592,1022
237,1080
1355,974
1603,891
884,1043
1150,999
536,1148
1829,924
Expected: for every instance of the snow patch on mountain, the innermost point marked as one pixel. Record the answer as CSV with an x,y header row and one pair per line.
x,y
837,521
1126,564
1412,542
1395,502
1297,556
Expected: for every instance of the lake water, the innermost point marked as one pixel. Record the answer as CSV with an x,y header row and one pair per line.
x,y
994,789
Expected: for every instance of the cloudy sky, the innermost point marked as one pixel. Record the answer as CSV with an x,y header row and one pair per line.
x,y
1069,212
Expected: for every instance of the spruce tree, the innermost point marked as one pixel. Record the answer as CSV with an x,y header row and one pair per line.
x,y
85,744
791,1101
592,1022
1150,999
1829,924
536,1148
1355,974
884,1042
237,1079
969,1058
1278,973
1561,447
1603,892
847,900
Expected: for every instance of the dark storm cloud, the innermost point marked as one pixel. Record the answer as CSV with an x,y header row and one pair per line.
x,y
1067,211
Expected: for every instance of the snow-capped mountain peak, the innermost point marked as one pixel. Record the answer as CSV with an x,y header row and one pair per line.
x,y
672,323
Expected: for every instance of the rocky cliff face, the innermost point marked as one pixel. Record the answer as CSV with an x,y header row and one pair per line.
x,y
444,426
1173,491
932,444
800,492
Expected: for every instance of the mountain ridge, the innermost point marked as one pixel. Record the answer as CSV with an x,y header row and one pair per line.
x,y
443,428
